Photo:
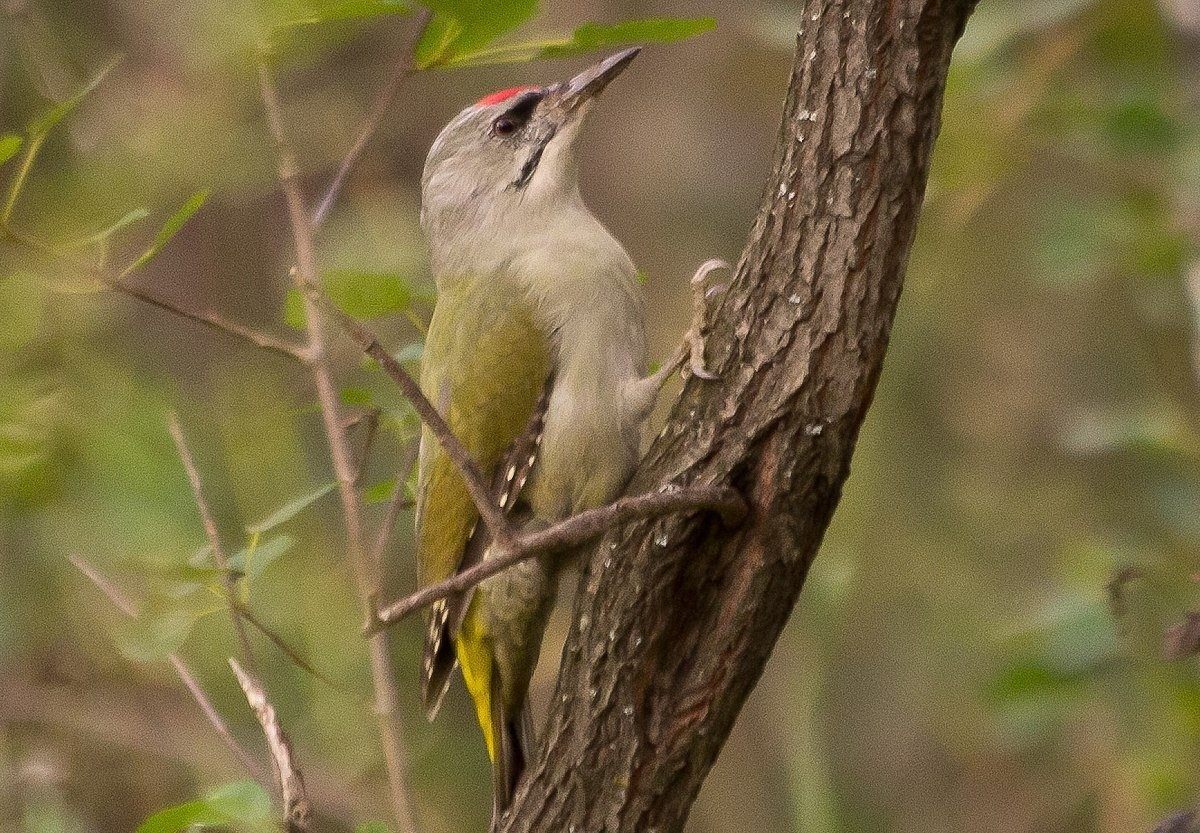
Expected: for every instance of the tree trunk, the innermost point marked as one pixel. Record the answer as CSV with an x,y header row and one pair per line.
x,y
675,618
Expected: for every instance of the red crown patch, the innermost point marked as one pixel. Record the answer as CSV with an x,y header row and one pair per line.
x,y
502,95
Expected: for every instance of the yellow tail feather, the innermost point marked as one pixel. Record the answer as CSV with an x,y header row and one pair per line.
x,y
474,646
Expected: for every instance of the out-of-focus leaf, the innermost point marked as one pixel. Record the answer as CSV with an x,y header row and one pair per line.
x,y
155,634
241,804
10,143
348,10
357,293
379,492
290,510
174,223
253,560
108,231
357,396
590,37
1140,126
21,302
459,27
373,827
44,122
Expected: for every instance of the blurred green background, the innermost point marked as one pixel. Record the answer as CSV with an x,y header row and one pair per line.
x,y
962,658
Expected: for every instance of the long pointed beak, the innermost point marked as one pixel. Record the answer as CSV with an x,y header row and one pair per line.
x,y
588,84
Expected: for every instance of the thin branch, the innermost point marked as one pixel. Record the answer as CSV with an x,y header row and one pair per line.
x,y
398,503
304,277
403,70
297,814
214,539
288,651
569,533
501,531
212,320
126,605
371,420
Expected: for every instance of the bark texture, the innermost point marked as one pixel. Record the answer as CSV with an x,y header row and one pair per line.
x,y
675,618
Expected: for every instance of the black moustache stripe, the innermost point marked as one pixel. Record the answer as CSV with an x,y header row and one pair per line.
x,y
531,164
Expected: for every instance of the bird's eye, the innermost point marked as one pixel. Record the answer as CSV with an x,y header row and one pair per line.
x,y
504,126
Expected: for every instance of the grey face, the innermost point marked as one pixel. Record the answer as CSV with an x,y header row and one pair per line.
x,y
509,146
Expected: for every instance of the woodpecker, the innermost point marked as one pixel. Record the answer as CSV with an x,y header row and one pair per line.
x,y
537,337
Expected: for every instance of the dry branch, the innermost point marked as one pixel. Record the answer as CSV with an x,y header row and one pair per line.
x,y
297,815
305,278
211,320
214,539
567,534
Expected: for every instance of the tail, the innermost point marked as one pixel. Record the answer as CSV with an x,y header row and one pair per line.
x,y
504,734
509,761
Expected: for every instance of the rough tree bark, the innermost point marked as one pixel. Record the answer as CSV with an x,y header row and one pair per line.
x,y
675,618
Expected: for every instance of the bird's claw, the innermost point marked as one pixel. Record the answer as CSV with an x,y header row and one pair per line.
x,y
694,338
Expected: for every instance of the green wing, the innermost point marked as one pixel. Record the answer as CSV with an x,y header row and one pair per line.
x,y
485,364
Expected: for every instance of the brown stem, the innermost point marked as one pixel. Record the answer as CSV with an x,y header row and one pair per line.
x,y
214,539
212,320
297,814
305,278
401,72
567,534
499,527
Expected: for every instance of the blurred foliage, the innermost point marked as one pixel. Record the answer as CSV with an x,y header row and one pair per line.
x,y
980,644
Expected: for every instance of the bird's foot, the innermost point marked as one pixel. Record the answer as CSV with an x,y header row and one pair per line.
x,y
693,339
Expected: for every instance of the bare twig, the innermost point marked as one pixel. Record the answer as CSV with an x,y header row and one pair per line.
x,y
401,72
214,539
570,533
371,422
501,531
399,502
124,604
305,279
212,320
288,651
297,815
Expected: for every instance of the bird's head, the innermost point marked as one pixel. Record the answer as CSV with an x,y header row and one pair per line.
x,y
512,153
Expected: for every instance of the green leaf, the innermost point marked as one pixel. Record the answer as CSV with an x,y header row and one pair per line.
x,y
357,293
42,124
22,302
587,38
373,827
348,10
290,510
242,803
108,231
367,294
10,143
152,636
174,223
379,492
293,310
459,27
253,560
358,397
